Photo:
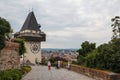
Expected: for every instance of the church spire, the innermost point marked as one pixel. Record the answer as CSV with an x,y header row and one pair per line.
x,y
30,23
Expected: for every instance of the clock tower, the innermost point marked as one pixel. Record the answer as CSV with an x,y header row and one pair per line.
x,y
33,37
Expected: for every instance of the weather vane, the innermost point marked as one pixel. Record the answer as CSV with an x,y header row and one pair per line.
x,y
29,9
32,8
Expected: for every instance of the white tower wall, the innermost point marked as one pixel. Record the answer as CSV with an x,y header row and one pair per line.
x,y
32,56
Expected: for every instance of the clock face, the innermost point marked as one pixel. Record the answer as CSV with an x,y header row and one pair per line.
x,y
34,47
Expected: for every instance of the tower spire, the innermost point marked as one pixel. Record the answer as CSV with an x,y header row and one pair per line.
x,y
30,23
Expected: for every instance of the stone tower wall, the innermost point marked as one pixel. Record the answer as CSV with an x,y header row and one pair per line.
x,y
31,56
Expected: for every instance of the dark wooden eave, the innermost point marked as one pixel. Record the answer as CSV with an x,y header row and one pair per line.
x,y
32,37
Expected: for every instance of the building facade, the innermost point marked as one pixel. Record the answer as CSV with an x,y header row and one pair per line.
x,y
33,37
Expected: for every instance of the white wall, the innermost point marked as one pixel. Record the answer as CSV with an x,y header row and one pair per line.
x,y
32,56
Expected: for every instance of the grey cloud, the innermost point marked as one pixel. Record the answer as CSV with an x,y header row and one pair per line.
x,y
79,20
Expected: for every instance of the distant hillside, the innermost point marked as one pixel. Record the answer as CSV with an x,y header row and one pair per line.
x,y
56,49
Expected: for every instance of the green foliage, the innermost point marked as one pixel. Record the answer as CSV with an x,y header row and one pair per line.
x,y
14,74
44,61
90,59
81,60
5,26
105,48
52,60
105,57
4,29
22,48
86,47
2,42
116,27
116,44
115,59
25,69
11,75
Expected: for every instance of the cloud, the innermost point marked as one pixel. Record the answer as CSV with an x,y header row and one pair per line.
x,y
67,23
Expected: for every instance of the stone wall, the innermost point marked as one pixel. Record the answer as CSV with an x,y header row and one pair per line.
x,y
96,74
9,56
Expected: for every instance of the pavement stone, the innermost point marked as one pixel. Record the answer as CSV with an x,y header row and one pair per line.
x,y
42,73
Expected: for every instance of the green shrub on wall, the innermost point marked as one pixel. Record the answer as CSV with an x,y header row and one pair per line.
x,y
22,48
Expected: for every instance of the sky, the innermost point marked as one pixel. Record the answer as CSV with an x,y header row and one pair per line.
x,y
67,23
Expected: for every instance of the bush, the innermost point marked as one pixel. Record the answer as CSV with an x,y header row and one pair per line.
x,y
92,59
14,74
11,74
80,60
25,69
44,61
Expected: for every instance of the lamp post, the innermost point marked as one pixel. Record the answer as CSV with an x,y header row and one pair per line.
x,y
23,60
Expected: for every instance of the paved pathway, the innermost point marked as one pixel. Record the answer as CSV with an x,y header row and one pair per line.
x,y
42,73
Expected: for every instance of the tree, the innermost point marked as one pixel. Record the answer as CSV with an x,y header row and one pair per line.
x,y
4,29
115,59
116,27
105,57
86,47
2,42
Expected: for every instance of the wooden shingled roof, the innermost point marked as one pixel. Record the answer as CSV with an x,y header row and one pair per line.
x,y
30,30
30,23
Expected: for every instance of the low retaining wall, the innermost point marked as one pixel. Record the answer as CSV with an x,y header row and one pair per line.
x,y
96,74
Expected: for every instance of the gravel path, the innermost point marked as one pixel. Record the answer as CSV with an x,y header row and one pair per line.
x,y
42,73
